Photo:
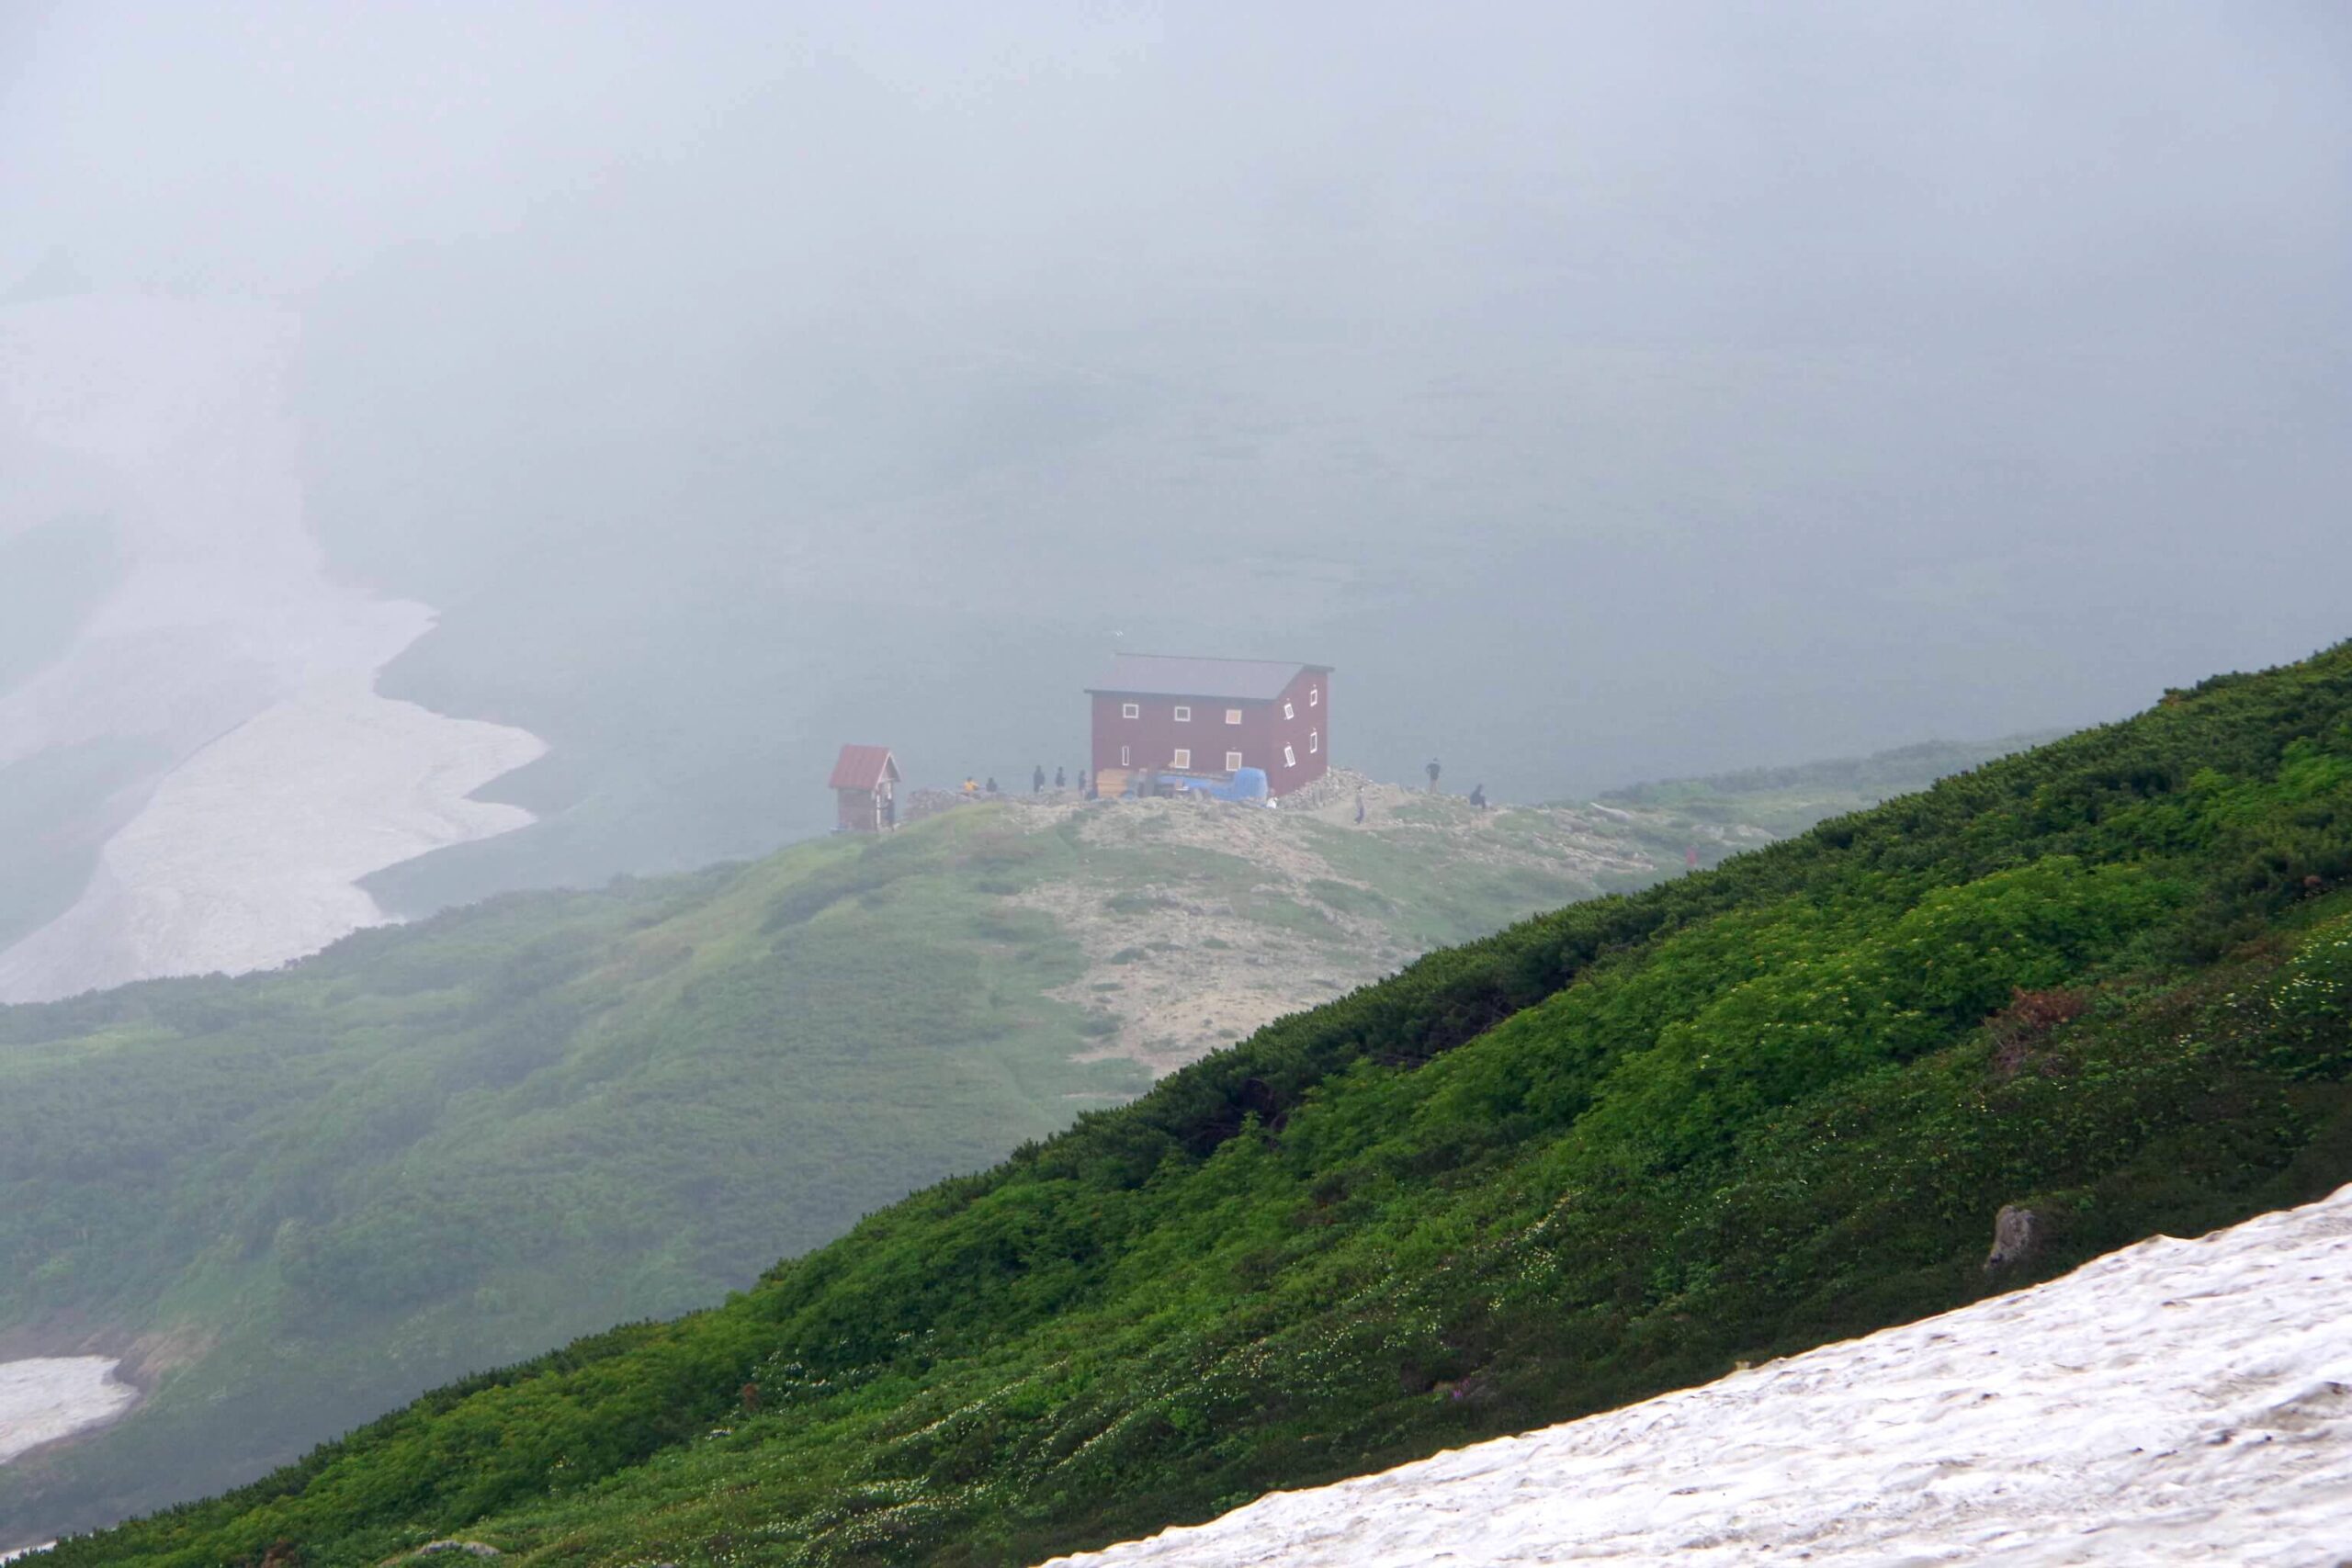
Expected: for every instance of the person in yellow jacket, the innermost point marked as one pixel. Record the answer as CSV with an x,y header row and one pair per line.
x,y
970,788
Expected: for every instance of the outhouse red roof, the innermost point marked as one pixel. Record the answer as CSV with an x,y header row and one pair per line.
x,y
864,767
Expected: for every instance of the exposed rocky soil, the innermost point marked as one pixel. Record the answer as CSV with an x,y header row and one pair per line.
x,y
1190,953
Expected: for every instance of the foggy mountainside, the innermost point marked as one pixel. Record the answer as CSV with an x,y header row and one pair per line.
x,y
1788,799
195,764
292,1200
1608,1151
1606,394
1079,758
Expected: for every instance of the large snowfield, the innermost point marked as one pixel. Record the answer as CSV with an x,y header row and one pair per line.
x,y
2175,1402
226,648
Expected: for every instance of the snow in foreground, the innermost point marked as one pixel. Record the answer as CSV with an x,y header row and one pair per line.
x,y
2179,1400
51,1397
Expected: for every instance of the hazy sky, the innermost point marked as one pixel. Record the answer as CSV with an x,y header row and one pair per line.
x,y
1607,390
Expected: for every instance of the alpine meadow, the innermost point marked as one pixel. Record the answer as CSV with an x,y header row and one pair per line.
x,y
1610,1150
290,1200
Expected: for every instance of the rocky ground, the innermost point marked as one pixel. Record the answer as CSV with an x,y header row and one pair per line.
x,y
1203,921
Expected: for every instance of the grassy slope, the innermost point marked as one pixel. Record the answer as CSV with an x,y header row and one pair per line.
x,y
318,1191
301,1197
1602,1153
1790,799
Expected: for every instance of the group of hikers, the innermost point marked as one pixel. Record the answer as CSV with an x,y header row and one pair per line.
x,y
1478,791
1036,782
972,789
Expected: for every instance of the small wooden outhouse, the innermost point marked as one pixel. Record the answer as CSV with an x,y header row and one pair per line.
x,y
865,783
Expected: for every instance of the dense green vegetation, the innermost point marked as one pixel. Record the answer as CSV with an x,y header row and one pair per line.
x,y
311,1193
296,1199
1605,1151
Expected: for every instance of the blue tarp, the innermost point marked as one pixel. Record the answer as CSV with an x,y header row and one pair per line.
x,y
1247,785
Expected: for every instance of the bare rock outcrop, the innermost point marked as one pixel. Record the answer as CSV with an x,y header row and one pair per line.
x,y
2017,1237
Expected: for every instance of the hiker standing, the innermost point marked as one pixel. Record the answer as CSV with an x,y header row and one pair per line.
x,y
991,785
1037,780
1358,805
1433,771
1061,776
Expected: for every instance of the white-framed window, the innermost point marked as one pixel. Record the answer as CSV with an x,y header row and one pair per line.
x,y
1183,714
1130,710
1314,742
1180,758
1233,761
1126,758
1314,696
1287,713
1233,716
1290,758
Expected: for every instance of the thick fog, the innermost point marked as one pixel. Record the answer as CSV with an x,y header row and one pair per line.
x,y
1607,391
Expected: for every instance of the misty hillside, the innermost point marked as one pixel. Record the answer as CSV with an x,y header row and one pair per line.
x,y
197,768
290,1200
1606,392
1789,799
1608,1151
497,499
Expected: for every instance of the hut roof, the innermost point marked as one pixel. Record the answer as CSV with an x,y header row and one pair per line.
x,y
1159,675
864,767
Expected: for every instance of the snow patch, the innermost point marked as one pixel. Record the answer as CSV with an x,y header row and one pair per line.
x,y
2176,1400
228,643
249,852
51,1397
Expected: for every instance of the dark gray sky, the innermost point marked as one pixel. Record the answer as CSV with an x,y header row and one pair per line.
x,y
1609,392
